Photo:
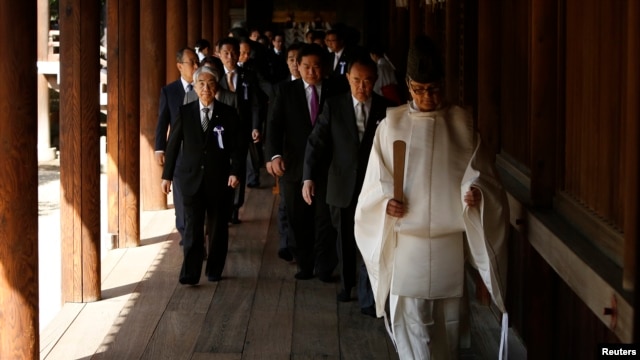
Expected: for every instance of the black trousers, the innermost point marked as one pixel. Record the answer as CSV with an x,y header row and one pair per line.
x,y
210,204
312,237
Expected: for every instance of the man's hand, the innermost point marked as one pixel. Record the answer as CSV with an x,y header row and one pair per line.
x,y
233,181
396,208
270,168
308,191
473,197
159,158
255,135
277,165
166,186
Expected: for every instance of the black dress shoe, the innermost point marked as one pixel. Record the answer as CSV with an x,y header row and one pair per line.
x,y
188,281
285,255
234,217
369,310
214,278
326,277
304,275
344,296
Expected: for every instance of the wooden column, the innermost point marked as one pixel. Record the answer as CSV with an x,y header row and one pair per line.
x,y
226,18
543,100
176,34
19,324
123,122
414,19
45,151
451,50
79,150
152,78
194,21
489,63
632,159
207,22
218,32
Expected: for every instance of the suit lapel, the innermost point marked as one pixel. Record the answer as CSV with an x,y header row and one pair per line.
x,y
301,94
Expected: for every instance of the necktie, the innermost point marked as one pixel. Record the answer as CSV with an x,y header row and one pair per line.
x,y
186,92
230,84
314,104
336,60
361,119
205,119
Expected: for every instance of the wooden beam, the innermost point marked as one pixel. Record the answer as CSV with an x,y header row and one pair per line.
x,y
207,22
152,78
79,150
452,50
176,35
632,157
543,100
194,21
414,20
19,328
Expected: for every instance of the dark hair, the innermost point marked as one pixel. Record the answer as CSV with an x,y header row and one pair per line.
x,y
180,53
296,46
376,49
317,35
217,63
338,33
310,50
202,44
365,61
235,43
239,32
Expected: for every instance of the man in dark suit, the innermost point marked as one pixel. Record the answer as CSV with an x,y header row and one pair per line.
x,y
244,84
292,116
345,129
172,96
207,135
340,55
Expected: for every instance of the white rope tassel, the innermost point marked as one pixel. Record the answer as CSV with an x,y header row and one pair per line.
x,y
389,331
504,338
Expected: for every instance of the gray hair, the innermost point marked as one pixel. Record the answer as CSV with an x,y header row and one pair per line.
x,y
206,70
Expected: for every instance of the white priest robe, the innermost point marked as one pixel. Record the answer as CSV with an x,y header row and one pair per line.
x,y
421,254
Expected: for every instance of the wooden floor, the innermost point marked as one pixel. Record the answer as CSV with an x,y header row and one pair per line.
x,y
257,311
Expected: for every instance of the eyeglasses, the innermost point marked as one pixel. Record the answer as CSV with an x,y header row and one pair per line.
x,y
431,89
190,62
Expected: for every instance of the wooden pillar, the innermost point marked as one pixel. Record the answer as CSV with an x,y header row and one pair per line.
x,y
451,51
218,32
543,100
123,121
489,63
207,22
45,151
19,324
226,18
176,34
79,149
194,21
152,78
414,19
632,159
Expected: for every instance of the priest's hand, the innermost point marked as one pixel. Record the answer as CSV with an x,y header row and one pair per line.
x,y
308,191
166,186
473,197
233,181
396,208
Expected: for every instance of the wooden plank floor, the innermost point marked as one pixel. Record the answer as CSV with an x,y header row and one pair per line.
x,y
257,311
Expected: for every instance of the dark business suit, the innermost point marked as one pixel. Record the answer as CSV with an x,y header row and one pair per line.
x,y
336,133
247,105
310,227
172,96
203,175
